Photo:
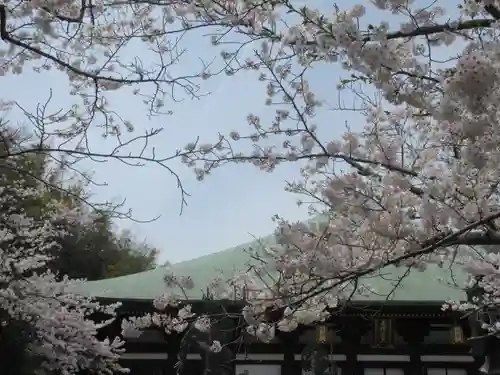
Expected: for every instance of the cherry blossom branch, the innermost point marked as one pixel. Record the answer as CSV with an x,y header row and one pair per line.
x,y
434,29
428,247
492,10
5,35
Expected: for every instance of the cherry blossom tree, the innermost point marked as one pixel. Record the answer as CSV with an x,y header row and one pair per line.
x,y
416,183
61,334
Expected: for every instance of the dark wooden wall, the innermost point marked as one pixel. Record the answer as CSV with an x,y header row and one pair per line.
x,y
412,330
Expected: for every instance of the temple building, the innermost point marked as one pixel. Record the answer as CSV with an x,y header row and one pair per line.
x,y
400,331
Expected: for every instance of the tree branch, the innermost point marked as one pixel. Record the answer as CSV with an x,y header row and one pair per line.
x,y
492,10
427,30
472,239
63,18
460,237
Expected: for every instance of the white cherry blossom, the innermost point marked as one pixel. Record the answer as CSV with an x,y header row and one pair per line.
x,y
412,181
66,339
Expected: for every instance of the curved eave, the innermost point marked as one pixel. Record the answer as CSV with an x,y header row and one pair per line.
x,y
380,309
354,303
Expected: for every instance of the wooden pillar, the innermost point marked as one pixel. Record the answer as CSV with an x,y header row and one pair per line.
x,y
172,350
351,333
221,363
289,341
413,331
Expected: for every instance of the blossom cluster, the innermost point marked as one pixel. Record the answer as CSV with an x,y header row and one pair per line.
x,y
178,320
64,336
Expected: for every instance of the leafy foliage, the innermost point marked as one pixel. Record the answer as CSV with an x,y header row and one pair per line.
x,y
93,251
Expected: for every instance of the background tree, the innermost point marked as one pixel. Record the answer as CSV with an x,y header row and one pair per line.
x,y
135,256
94,251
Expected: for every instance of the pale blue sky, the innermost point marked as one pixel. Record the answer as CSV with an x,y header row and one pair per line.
x,y
232,205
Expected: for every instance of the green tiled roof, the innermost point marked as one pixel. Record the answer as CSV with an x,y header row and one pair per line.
x,y
433,285
149,284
